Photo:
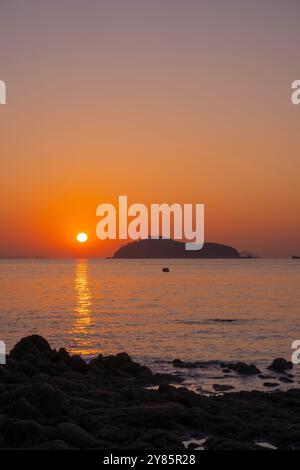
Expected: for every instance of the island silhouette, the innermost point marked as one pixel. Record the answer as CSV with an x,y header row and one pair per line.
x,y
167,248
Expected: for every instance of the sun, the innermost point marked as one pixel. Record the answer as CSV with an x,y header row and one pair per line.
x,y
82,237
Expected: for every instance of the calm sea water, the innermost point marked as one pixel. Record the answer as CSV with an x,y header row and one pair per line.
x,y
108,306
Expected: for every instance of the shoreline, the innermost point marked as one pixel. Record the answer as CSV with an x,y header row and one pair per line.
x,y
51,400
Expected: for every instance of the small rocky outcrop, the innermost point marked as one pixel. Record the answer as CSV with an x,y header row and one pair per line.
x,y
33,344
242,368
280,365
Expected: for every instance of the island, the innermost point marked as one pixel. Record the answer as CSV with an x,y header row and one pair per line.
x,y
167,248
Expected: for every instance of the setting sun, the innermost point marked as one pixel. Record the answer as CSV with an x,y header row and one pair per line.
x,y
82,237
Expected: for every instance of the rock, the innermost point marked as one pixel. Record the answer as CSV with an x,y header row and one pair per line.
x,y
222,387
243,369
33,344
228,444
41,378
71,386
73,435
123,362
78,364
63,355
22,433
270,384
47,400
162,439
280,365
136,370
27,368
177,363
23,409
121,359
286,380
166,388
187,365
111,406
57,368
57,444
4,373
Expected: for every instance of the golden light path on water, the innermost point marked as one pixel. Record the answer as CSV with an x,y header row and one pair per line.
x,y
83,325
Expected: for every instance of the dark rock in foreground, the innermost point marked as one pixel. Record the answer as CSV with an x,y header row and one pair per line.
x,y
222,387
51,400
242,368
33,344
280,365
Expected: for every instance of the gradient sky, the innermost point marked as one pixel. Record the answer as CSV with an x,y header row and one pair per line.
x,y
165,101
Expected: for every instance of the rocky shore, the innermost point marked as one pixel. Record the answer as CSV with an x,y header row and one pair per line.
x,y
52,400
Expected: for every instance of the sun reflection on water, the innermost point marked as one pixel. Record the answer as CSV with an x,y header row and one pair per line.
x,y
82,327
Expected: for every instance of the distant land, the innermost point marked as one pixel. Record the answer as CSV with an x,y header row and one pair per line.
x,y
165,248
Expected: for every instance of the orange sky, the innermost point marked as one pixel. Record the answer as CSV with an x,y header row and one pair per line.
x,y
163,101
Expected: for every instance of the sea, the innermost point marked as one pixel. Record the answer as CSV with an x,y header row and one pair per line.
x,y
205,311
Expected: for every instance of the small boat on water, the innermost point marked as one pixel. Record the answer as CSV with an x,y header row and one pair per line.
x,y
296,257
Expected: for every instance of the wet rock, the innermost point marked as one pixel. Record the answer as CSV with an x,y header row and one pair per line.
x,y
178,363
33,344
120,365
243,369
286,380
166,388
228,444
111,406
270,384
119,360
187,365
280,365
124,362
222,387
